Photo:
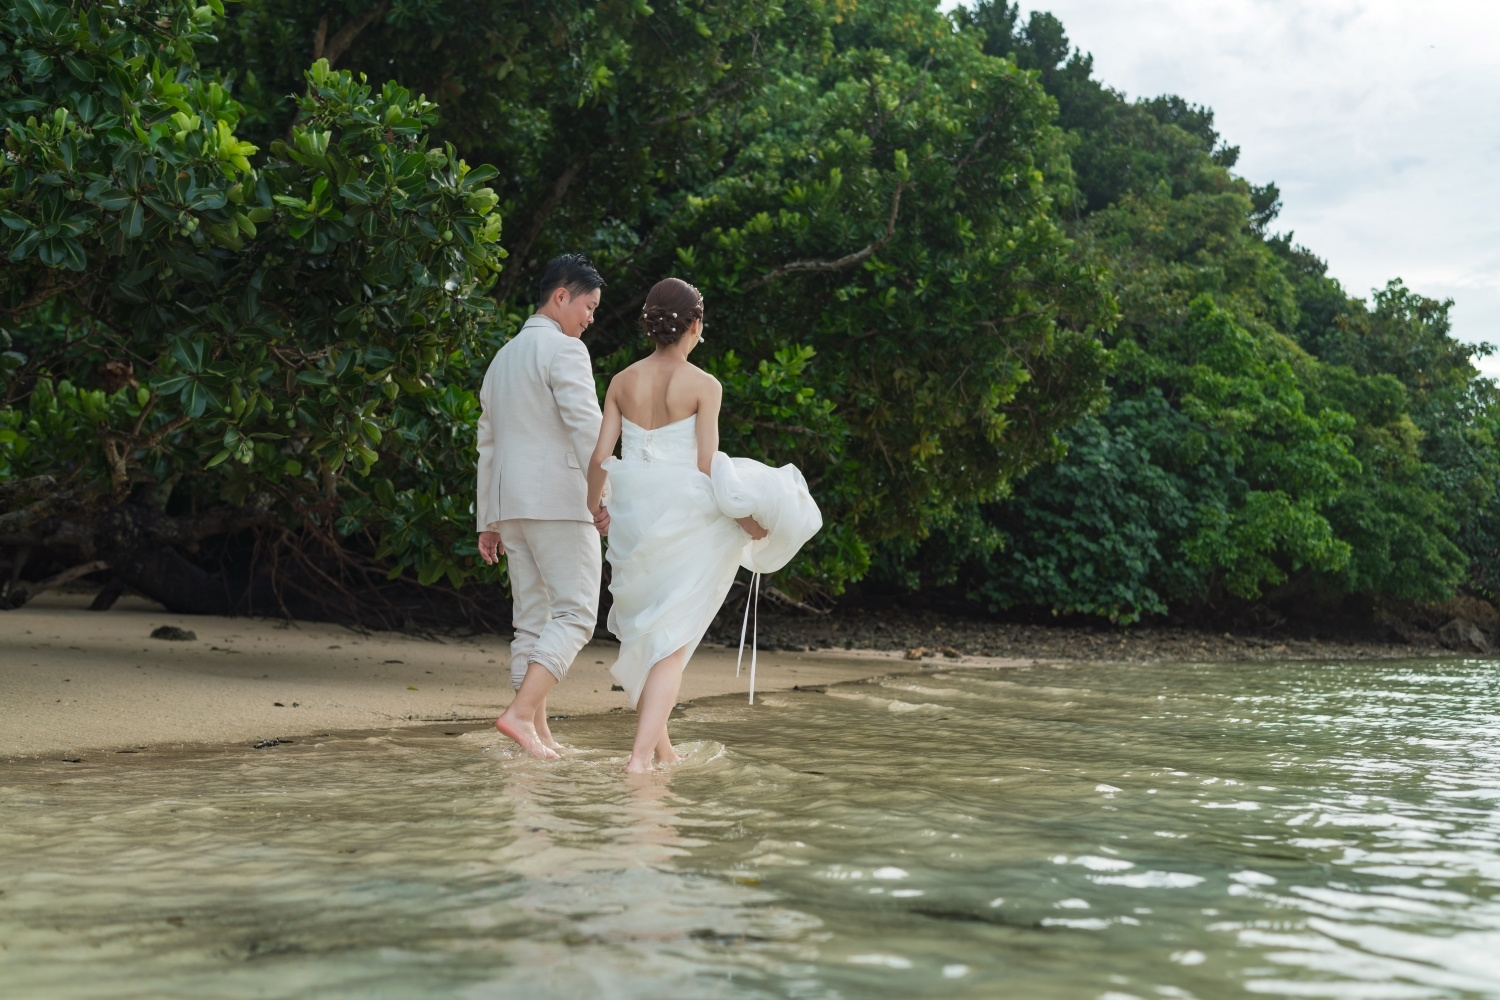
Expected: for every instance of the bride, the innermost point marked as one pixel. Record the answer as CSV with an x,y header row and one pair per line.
x,y
683,517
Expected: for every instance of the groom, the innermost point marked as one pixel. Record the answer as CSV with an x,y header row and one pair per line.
x,y
538,426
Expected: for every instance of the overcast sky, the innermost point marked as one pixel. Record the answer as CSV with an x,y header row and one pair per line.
x,y
1378,119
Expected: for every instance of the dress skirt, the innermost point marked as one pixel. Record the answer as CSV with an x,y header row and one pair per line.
x,y
674,549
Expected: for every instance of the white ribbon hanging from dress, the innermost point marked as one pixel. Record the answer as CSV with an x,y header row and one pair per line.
x,y
751,594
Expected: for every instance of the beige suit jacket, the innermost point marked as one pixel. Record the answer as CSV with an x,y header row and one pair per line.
x,y
538,424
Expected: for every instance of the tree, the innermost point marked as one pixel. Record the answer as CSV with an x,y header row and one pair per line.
x,y
1267,435
868,200
261,339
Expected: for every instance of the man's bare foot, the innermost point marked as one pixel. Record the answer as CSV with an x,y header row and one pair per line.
x,y
544,732
524,733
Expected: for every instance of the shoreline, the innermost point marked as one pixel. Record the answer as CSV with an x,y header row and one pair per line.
x,y
76,682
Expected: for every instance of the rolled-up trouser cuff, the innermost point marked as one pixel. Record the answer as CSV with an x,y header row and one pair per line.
x,y
554,574
556,665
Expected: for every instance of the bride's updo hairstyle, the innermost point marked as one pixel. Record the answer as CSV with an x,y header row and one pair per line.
x,y
670,309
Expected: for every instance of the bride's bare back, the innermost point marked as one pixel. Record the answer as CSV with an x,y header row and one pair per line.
x,y
653,393
663,389
657,391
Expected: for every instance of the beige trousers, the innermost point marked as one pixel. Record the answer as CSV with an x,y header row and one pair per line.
x,y
554,584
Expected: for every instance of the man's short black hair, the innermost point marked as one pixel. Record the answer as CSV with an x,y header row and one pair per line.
x,y
571,271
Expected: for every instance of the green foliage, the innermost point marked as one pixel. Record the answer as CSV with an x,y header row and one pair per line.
x,y
868,201
1027,339
58,426
889,225
1266,434
1208,475
286,319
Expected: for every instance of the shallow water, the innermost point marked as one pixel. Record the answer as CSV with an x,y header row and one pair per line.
x,y
1089,831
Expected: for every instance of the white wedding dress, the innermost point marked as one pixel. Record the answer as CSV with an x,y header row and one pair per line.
x,y
674,546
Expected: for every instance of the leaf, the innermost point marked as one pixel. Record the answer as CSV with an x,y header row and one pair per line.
x,y
73,256
480,174
51,252
172,385
378,359
188,354
112,199
207,200
132,219
357,192
79,68
195,399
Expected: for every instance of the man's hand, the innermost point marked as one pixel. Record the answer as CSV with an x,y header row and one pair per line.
x,y
601,520
491,548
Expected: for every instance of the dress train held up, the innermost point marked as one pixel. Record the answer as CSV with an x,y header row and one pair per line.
x,y
674,546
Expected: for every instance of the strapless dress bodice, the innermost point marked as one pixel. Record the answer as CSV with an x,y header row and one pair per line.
x,y
671,444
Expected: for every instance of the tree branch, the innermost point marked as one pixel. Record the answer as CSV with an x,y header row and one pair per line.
x,y
848,260
25,591
513,273
52,283
344,37
27,487
782,597
995,120
708,102
789,428
26,516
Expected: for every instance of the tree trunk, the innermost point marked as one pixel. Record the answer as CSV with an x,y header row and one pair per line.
x,y
156,555
139,545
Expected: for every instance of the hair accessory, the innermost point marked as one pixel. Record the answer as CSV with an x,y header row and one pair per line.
x,y
674,315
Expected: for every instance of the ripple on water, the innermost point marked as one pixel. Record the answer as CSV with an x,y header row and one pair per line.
x,y
1098,831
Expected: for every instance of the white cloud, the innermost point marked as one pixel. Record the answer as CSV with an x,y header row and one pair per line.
x,y
1376,118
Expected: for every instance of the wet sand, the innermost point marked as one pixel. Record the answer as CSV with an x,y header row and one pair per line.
x,y
73,681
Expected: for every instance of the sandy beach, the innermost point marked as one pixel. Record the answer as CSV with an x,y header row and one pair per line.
x,y
74,682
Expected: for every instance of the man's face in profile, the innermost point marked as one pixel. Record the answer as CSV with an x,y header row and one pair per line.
x,y
574,313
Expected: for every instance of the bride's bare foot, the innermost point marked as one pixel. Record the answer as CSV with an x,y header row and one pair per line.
x,y
525,734
638,765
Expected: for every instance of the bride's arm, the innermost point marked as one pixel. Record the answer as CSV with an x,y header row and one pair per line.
x,y
609,436
710,398
708,443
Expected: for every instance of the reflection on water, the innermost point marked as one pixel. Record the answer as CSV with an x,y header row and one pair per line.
x,y
1090,831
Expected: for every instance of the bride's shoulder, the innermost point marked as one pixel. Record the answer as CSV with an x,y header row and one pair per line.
x,y
702,378
625,376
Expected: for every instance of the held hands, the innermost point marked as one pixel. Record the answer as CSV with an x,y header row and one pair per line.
x,y
601,520
491,548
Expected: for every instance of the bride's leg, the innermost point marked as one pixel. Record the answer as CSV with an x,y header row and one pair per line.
x,y
665,752
658,698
